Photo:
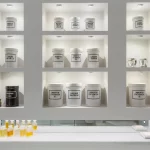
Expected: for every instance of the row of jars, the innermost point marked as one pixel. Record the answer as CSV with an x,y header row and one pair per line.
x,y
74,94
76,58
74,23
15,128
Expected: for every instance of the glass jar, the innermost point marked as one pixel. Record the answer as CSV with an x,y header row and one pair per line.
x,y
59,23
11,23
90,23
138,22
75,23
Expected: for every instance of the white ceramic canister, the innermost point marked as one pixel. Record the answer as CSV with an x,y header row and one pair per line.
x,y
55,95
58,58
137,95
93,95
93,58
73,94
138,22
75,23
11,57
11,23
90,23
59,23
76,57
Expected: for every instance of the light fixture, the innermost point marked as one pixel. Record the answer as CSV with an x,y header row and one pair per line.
x,y
144,122
59,36
9,36
140,35
90,36
58,5
9,5
140,5
90,5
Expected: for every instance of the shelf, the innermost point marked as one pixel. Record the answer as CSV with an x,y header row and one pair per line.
x,y
11,32
18,107
145,32
75,69
138,69
11,69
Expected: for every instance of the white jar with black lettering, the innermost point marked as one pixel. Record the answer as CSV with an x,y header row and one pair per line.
x,y
137,95
59,23
11,23
75,23
11,57
93,58
73,94
138,22
55,95
76,57
93,95
58,58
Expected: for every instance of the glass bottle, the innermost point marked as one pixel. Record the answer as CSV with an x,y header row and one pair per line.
x,y
12,123
22,131
18,123
34,125
6,124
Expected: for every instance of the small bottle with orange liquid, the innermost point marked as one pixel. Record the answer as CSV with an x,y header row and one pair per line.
x,y
29,131
22,131
10,131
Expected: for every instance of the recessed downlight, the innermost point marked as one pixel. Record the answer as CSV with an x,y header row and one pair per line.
x,y
58,36
9,5
140,5
9,36
90,36
140,35
59,5
90,5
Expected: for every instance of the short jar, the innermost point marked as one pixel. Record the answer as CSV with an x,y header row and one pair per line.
x,y
90,23
58,58
137,95
73,94
138,22
93,58
11,24
75,23
55,95
11,56
59,23
76,57
93,95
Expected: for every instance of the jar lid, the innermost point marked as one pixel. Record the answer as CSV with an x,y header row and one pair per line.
x,y
74,85
11,50
56,84
138,84
58,50
11,18
59,19
12,87
138,17
93,85
75,18
90,19
76,50
94,50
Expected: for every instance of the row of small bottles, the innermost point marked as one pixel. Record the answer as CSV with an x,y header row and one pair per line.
x,y
17,128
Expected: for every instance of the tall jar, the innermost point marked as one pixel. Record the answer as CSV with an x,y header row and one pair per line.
x,y
76,57
59,23
11,23
58,58
137,95
90,23
93,95
75,23
138,22
55,95
11,57
93,58
73,94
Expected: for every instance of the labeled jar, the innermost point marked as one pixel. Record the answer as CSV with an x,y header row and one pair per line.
x,y
58,58
138,22
75,23
73,94
11,55
59,23
137,95
76,57
93,95
55,95
11,23
93,58
12,96
90,23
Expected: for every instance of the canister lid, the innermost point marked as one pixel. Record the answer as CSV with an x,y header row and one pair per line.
x,y
75,18
93,50
137,84
93,85
90,19
11,18
74,85
76,50
58,50
12,87
11,50
59,19
138,17
55,84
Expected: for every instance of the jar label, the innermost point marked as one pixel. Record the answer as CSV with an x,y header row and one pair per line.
x,y
139,24
55,94
10,24
10,57
93,94
90,25
58,58
59,25
75,57
75,25
74,94
138,94
12,94
93,57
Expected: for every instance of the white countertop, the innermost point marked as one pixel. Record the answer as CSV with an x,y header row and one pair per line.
x,y
104,134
